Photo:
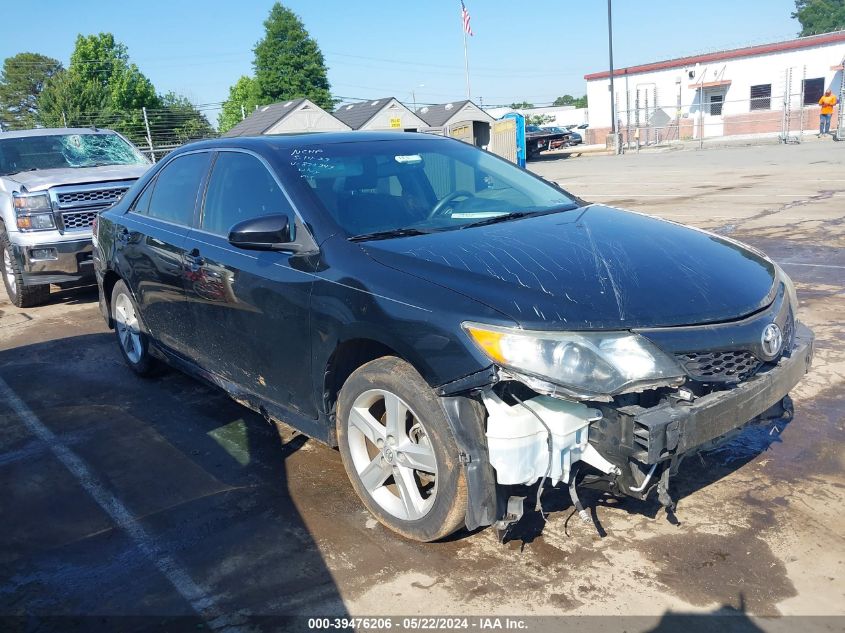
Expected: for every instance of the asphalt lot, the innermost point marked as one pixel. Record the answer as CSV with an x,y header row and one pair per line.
x,y
122,496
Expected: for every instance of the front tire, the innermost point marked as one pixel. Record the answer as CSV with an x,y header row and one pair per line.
x,y
399,452
20,295
132,341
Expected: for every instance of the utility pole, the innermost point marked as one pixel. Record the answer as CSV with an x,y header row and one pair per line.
x,y
149,134
464,27
612,92
414,95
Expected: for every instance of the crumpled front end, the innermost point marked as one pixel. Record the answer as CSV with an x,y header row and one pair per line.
x,y
647,435
733,374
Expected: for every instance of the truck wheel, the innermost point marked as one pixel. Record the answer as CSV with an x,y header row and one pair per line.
x,y
399,452
20,295
133,343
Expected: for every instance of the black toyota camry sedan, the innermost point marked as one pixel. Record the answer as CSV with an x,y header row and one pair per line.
x,y
458,327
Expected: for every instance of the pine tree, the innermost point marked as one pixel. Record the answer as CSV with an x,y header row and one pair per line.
x,y
288,62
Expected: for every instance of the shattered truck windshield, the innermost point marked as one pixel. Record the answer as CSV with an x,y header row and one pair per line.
x,y
61,151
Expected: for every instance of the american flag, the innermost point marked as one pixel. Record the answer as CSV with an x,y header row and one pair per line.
x,y
465,18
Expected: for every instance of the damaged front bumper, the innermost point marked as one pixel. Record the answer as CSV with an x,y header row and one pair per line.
x,y
625,449
637,438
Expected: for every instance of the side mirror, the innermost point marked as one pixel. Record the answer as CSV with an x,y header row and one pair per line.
x,y
264,233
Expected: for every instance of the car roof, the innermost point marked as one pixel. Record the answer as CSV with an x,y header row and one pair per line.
x,y
53,131
308,138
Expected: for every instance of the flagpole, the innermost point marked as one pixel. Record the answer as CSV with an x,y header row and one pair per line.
x,y
466,60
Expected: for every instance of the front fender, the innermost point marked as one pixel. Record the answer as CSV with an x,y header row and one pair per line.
x,y
466,418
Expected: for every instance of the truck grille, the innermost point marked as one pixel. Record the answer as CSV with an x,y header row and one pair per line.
x,y
76,206
95,197
731,366
76,220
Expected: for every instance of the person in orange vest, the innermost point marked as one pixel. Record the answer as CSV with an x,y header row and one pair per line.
x,y
826,102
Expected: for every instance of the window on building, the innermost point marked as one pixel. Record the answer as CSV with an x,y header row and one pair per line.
x,y
813,90
715,104
761,97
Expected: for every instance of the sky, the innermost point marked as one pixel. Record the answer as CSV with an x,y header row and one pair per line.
x,y
411,50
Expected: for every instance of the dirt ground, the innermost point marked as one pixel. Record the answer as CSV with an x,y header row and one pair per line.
x,y
122,496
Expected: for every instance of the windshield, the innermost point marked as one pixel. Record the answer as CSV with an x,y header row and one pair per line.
x,y
416,185
62,151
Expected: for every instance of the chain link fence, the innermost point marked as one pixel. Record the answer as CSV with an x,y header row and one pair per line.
x,y
786,110
155,132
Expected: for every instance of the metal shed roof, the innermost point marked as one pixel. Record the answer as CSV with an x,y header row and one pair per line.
x,y
264,118
356,115
437,115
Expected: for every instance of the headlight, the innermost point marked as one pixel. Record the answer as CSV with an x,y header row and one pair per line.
x,y
34,212
584,363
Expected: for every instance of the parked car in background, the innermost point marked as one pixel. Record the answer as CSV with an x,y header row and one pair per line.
x,y
572,138
53,182
538,139
457,326
581,130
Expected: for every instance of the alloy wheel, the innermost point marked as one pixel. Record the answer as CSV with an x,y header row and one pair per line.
x,y
392,454
128,330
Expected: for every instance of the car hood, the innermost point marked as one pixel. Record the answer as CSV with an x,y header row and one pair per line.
x,y
46,178
594,267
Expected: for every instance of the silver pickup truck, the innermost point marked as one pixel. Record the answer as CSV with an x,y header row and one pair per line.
x,y
53,182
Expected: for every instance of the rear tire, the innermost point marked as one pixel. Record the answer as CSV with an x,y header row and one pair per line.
x,y
131,339
399,452
20,295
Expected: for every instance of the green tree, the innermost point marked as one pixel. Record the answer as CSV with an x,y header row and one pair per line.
x,y
178,121
21,81
288,62
65,102
569,100
243,94
100,87
522,105
538,119
819,16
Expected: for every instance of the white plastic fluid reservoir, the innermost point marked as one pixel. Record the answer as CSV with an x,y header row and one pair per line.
x,y
517,441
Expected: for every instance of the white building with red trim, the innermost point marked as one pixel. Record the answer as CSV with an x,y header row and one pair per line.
x,y
760,89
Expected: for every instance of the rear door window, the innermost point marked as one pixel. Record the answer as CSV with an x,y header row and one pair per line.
x,y
174,197
142,202
240,188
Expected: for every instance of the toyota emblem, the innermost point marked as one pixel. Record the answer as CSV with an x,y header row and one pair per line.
x,y
771,340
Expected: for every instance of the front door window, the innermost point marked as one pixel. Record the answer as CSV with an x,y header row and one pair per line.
x,y
240,188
